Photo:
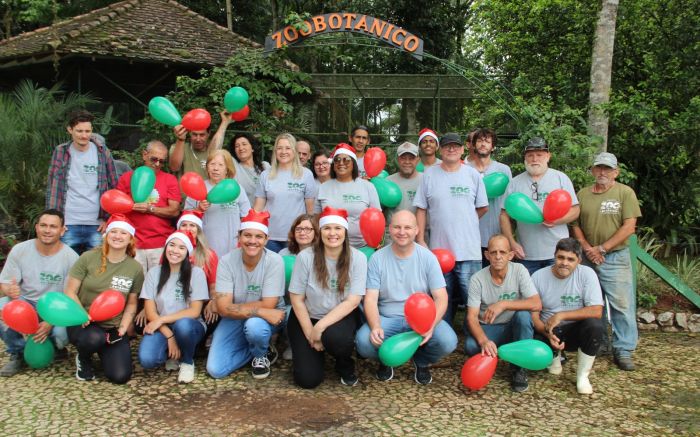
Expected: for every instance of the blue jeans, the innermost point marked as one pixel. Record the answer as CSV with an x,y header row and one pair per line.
x,y
275,245
520,327
153,351
458,286
615,276
443,341
236,342
533,266
82,238
14,341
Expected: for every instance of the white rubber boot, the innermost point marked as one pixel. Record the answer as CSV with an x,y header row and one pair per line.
x,y
585,364
555,367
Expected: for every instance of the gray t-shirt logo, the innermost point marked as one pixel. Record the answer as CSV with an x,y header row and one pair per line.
x,y
411,194
508,296
48,278
121,283
351,198
254,289
296,186
90,169
459,191
610,207
571,301
179,295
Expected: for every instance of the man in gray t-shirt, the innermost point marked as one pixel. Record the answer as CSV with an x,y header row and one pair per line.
x,y
407,178
501,297
33,268
395,273
572,307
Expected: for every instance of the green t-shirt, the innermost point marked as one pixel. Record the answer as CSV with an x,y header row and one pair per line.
x,y
125,277
602,214
192,161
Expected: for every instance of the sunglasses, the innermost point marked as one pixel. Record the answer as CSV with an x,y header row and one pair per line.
x,y
155,160
342,160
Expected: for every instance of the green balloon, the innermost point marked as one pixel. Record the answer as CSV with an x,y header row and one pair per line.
x,y
60,310
382,175
521,208
235,99
528,354
164,111
496,184
38,355
289,261
368,251
398,349
389,193
224,192
142,182
420,168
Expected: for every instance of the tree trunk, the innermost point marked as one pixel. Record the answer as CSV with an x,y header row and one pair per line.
x,y
229,16
601,71
411,124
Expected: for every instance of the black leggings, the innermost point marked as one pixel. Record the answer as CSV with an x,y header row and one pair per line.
x,y
116,357
338,340
585,334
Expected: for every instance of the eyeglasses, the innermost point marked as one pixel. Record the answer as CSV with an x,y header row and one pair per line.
x,y
342,160
535,193
322,164
301,230
156,160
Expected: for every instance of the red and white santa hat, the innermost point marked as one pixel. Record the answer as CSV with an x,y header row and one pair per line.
x,y
333,216
345,149
427,132
119,221
256,220
186,237
191,215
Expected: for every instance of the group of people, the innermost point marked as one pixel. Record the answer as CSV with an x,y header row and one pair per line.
x,y
198,275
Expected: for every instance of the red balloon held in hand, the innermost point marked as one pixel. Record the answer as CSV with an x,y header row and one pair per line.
x,y
420,312
196,119
372,225
116,202
446,259
20,316
107,305
192,184
478,371
241,115
556,205
374,161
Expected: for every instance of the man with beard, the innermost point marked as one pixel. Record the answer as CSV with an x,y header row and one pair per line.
x,y
359,139
536,242
193,156
609,212
483,143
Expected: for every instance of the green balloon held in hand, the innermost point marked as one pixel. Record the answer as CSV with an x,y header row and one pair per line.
x,y
496,184
164,111
398,349
38,355
224,192
235,99
289,261
389,193
521,208
142,182
528,354
367,251
58,309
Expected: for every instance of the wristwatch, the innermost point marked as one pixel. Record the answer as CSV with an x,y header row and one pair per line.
x,y
602,250
151,208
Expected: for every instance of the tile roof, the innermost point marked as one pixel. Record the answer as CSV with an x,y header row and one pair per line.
x,y
139,30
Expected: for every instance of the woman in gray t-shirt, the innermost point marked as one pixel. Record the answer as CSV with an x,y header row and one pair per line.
x,y
326,287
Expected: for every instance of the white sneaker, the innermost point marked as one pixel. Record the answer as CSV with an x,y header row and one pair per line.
x,y
172,365
287,354
555,367
186,374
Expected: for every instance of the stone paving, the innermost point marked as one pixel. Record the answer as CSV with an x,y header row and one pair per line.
x,y
661,398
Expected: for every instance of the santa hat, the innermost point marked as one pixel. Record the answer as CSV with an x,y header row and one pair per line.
x,y
191,216
345,149
186,237
119,221
427,132
256,220
333,216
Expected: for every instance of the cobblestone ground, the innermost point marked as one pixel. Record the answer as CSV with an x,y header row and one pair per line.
x,y
661,398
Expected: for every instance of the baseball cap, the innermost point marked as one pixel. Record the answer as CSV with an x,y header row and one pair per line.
x,y
536,143
450,138
607,159
407,148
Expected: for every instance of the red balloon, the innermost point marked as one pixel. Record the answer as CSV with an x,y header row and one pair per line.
x,y
478,371
372,224
556,205
240,115
107,305
116,202
420,312
196,119
446,259
20,316
375,161
192,184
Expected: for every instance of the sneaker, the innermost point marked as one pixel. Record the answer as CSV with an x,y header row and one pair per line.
x,y
186,374
384,373
349,380
422,375
261,367
172,365
624,363
13,366
83,370
287,354
519,381
272,354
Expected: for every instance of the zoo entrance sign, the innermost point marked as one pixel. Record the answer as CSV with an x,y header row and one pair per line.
x,y
347,22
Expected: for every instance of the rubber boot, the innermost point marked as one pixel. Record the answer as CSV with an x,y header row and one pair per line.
x,y
585,364
555,367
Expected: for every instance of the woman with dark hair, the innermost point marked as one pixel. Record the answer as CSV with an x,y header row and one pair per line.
x,y
326,287
249,163
346,190
321,166
302,234
111,266
174,293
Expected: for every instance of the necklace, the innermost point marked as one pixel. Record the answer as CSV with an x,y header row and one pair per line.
x,y
202,162
117,262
